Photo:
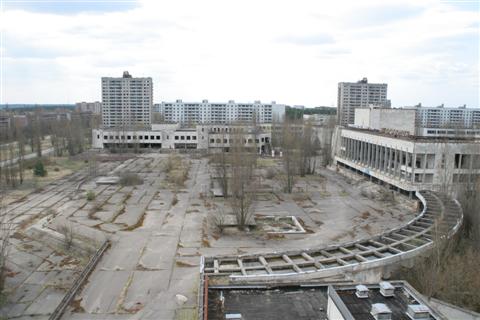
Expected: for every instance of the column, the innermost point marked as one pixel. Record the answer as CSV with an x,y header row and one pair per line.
x,y
414,160
389,171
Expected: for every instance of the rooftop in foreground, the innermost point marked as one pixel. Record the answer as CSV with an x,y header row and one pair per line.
x,y
293,302
318,301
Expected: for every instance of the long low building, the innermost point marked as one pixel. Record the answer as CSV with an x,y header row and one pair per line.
x,y
421,122
408,163
174,136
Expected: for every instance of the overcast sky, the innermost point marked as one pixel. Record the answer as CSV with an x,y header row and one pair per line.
x,y
293,52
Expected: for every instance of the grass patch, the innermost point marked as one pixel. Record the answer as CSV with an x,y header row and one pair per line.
x,y
266,163
130,179
186,314
177,170
325,194
298,197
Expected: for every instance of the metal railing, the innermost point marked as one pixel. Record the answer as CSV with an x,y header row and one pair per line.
x,y
62,306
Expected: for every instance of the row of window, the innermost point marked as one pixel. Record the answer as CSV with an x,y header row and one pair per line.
x,y
145,137
129,137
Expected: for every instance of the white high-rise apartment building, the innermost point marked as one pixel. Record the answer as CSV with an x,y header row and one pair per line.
x,y
206,112
127,101
441,117
360,94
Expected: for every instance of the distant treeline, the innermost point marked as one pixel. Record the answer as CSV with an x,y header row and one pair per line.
x,y
294,113
32,107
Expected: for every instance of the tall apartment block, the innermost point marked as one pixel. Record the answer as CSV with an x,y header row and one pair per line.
x,y
127,101
360,94
206,112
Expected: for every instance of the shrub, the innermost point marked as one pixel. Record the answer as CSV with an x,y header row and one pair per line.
x,y
67,232
39,170
130,179
174,200
90,195
270,173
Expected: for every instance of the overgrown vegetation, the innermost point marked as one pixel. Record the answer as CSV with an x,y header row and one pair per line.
x,y
450,272
90,195
67,232
5,231
177,168
19,142
130,179
39,169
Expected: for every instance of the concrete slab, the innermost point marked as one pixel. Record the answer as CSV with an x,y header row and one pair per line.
x,y
125,252
144,286
46,303
159,253
28,292
103,291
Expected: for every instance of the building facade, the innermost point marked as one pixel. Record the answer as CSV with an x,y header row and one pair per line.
x,y
360,94
206,112
441,117
408,163
172,136
93,107
127,101
439,123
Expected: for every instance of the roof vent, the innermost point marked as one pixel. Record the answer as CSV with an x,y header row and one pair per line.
x,y
126,74
418,312
362,291
386,289
380,311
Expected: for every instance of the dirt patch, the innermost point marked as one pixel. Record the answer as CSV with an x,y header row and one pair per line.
x,y
185,264
365,215
77,306
138,224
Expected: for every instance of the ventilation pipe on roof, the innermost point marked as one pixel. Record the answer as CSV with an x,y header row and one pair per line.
x,y
380,311
386,289
418,312
361,291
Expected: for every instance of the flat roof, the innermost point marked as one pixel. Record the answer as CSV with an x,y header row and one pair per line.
x,y
360,308
417,138
289,302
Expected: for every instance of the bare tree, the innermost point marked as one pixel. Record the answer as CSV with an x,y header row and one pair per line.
x,y
242,166
21,153
37,134
450,270
222,169
5,230
469,197
308,147
290,153
92,163
326,140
